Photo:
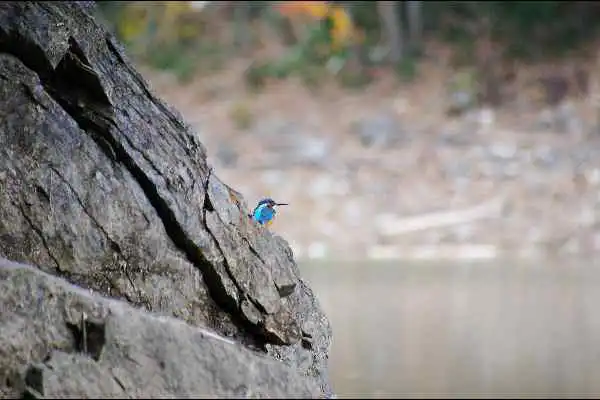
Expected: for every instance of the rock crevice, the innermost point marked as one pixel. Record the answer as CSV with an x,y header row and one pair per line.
x,y
107,184
107,349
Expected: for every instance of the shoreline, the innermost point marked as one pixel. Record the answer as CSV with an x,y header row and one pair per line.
x,y
445,253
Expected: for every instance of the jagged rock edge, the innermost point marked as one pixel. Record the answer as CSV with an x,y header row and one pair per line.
x,y
258,328
33,57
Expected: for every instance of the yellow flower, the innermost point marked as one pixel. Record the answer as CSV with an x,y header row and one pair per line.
x,y
342,29
317,9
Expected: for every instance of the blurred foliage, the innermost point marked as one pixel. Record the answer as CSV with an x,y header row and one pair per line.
x,y
338,27
341,38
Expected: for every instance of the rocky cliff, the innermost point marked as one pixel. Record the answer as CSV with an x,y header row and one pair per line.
x,y
103,186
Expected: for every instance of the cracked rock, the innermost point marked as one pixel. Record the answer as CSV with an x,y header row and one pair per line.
x,y
106,187
143,356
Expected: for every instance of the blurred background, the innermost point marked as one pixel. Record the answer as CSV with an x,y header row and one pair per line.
x,y
441,161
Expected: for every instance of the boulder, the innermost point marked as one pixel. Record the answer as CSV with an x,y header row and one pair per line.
x,y
72,343
104,186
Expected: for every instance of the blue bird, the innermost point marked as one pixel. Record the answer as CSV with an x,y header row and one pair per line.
x,y
264,212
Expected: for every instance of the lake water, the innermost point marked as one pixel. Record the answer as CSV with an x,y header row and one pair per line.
x,y
469,330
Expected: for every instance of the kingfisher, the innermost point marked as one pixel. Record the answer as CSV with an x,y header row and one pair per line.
x,y
264,212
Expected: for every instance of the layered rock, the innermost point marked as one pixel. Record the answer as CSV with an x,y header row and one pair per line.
x,y
104,186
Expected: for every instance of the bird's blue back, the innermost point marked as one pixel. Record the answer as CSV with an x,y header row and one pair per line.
x,y
263,214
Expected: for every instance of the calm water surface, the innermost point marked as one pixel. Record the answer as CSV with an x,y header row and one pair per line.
x,y
469,330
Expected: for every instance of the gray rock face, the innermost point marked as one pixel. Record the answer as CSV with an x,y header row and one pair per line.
x,y
73,343
103,185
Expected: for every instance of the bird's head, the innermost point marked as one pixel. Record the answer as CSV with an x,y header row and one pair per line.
x,y
270,203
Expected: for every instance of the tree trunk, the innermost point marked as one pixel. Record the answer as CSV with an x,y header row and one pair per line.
x,y
105,187
488,63
415,23
242,34
390,22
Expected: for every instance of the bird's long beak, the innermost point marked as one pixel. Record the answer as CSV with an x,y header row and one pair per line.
x,y
281,204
